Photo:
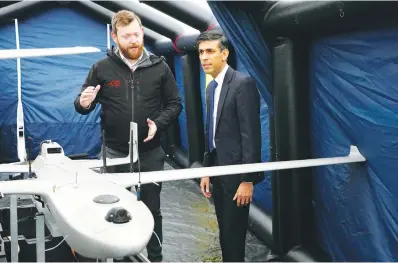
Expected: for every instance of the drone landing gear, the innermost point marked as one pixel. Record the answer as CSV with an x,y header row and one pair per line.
x,y
14,237
38,199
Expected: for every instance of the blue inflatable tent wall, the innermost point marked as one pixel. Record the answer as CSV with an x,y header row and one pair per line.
x,y
354,94
339,61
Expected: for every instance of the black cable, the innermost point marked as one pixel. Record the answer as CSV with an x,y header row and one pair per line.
x,y
103,152
138,190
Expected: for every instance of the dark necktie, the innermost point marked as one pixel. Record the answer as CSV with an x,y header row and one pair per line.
x,y
211,88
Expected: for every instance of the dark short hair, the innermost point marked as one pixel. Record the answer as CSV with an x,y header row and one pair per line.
x,y
213,34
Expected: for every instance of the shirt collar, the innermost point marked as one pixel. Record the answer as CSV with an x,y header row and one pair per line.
x,y
132,65
220,77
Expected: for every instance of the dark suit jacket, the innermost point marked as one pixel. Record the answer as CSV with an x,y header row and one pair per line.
x,y
238,131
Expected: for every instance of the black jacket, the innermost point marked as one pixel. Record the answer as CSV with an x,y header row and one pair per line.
x,y
238,130
156,97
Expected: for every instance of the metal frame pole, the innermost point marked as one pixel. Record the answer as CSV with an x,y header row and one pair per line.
x,y
40,239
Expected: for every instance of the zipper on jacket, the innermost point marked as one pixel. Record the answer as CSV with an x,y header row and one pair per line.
x,y
133,94
130,84
128,88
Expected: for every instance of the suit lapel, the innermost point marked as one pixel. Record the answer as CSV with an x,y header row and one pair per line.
x,y
207,117
223,94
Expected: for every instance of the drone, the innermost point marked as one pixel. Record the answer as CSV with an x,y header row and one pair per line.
x,y
94,211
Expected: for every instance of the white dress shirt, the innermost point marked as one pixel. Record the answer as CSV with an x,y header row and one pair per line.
x,y
219,79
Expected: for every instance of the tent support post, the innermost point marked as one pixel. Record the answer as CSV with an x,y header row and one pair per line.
x,y
108,39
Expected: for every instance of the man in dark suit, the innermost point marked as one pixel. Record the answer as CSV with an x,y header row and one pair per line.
x,y
233,136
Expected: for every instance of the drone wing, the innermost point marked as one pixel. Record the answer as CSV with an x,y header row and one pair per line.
x,y
14,168
40,52
23,187
130,179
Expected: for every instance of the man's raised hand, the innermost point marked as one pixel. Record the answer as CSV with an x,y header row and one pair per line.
x,y
88,96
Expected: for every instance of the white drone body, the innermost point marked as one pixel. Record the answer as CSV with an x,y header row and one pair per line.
x,y
98,217
95,213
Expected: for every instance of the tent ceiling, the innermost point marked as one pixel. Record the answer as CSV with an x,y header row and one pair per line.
x,y
162,27
151,17
196,15
106,14
324,18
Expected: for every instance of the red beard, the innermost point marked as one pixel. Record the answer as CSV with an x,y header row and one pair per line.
x,y
132,53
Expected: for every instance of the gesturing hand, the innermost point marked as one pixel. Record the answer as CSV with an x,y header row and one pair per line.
x,y
244,194
152,130
88,96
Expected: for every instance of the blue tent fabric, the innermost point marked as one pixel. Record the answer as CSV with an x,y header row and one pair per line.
x,y
182,118
8,98
354,95
203,93
263,191
50,84
243,34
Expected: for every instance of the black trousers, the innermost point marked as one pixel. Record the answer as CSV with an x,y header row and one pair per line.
x,y
152,160
232,220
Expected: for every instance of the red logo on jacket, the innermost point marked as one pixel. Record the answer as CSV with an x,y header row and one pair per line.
x,y
114,83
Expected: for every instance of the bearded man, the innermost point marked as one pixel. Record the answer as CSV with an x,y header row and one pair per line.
x,y
129,69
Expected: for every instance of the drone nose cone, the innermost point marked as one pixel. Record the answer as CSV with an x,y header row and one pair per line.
x,y
118,215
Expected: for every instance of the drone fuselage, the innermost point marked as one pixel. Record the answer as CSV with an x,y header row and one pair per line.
x,y
99,218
